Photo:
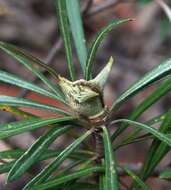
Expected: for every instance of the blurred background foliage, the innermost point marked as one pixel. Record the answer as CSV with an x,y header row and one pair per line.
x,y
136,47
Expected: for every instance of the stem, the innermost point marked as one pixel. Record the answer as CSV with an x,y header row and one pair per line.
x,y
99,148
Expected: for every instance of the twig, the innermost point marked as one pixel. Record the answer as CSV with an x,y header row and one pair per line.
x,y
86,7
102,6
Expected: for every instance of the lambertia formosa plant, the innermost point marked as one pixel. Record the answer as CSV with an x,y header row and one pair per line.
x,y
86,111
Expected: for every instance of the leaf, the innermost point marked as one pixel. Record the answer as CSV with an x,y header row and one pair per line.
x,y
102,184
65,32
156,119
67,168
16,111
14,80
23,102
61,180
27,60
4,168
15,128
111,178
166,8
160,91
154,75
166,174
162,137
144,2
11,154
96,43
157,150
47,154
35,151
133,137
17,53
83,186
47,171
136,139
76,25
16,153
136,178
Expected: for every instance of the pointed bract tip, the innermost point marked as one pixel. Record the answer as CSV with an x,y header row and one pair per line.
x,y
110,63
101,78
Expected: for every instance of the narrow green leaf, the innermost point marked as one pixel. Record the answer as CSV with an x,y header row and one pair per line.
x,y
134,136
111,178
166,174
157,150
102,184
14,80
65,32
154,75
83,186
15,128
61,180
34,152
76,155
4,168
156,119
23,102
47,171
22,54
132,140
162,137
96,43
27,60
136,178
17,112
67,168
75,20
11,154
160,91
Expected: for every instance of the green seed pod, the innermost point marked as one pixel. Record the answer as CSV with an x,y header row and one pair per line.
x,y
86,97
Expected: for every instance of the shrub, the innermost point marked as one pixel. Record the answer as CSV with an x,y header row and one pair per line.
x,y
86,110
